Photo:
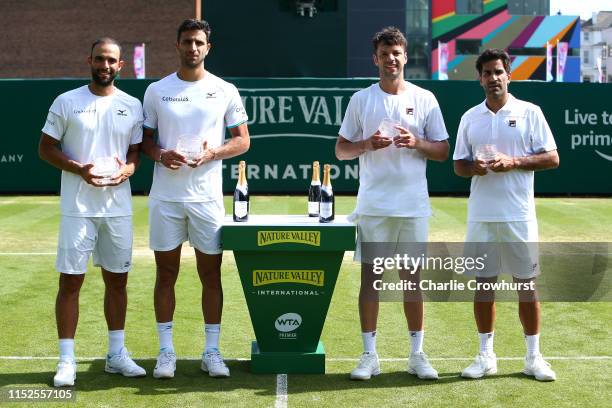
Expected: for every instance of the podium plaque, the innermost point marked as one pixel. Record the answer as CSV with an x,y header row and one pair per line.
x,y
288,266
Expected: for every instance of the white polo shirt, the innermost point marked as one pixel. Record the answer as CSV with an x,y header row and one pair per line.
x,y
392,181
205,108
519,129
89,127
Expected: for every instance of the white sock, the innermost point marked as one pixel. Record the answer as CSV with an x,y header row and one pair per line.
x,y
486,342
416,341
66,348
369,341
212,332
116,341
533,344
164,330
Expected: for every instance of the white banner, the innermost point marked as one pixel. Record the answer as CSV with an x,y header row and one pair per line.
x,y
561,59
549,62
139,61
600,70
442,61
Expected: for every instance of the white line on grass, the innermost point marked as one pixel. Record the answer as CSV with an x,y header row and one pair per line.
x,y
472,358
573,358
281,391
136,252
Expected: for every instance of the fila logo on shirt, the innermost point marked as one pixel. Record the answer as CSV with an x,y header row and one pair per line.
x,y
512,123
121,112
410,111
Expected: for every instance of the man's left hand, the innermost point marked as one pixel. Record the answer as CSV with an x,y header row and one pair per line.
x,y
406,139
207,156
122,174
502,163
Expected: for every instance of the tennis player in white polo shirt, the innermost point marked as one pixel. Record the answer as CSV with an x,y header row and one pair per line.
x,y
393,201
500,143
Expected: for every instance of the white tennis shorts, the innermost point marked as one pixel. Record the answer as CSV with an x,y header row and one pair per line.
x,y
108,238
389,230
172,223
510,248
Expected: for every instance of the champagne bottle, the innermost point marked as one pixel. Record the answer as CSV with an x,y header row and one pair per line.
x,y
326,208
241,195
314,191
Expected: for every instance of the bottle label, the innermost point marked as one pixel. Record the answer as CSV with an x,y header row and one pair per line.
x,y
313,207
326,209
241,208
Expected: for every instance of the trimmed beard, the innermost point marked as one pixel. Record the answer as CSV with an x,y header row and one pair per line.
x,y
104,82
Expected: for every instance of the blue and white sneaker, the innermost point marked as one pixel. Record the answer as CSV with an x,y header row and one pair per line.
x,y
122,363
213,364
166,364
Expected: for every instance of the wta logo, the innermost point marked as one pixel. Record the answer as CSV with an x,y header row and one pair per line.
x,y
288,322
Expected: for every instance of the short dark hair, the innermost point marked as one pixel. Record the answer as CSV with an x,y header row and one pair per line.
x,y
106,40
389,36
493,54
193,24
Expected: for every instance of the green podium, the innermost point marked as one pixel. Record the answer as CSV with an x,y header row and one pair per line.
x,y
288,267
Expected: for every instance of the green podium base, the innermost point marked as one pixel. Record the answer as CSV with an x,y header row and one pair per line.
x,y
287,362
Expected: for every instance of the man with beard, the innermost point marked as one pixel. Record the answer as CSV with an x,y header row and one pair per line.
x,y
500,143
84,125
186,198
392,202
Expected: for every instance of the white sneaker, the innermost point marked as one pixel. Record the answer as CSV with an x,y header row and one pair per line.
x,y
166,365
212,363
537,367
484,364
419,366
65,373
367,367
123,364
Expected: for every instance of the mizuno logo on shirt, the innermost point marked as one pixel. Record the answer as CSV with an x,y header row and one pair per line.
x,y
121,112
210,95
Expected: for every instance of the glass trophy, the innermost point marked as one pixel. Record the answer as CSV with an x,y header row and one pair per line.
x,y
387,128
190,146
486,152
105,167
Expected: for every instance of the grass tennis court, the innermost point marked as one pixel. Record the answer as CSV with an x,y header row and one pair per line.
x,y
576,337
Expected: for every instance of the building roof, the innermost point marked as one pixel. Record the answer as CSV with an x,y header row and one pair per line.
x,y
603,21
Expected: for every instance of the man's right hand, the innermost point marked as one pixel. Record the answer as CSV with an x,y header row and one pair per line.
x,y
88,176
376,141
172,159
479,167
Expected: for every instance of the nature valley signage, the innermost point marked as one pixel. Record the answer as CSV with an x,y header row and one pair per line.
x,y
308,277
281,237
